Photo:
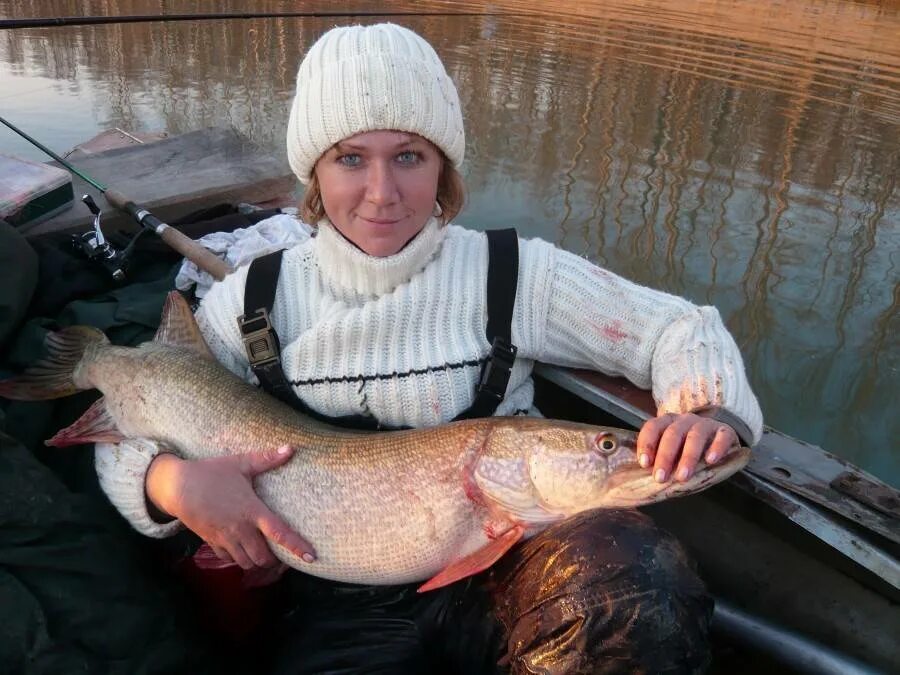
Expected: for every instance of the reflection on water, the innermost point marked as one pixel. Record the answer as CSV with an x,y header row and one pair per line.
x,y
744,155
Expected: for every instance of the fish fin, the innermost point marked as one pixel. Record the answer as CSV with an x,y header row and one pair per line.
x,y
178,327
52,377
263,576
475,562
206,559
530,512
517,504
95,425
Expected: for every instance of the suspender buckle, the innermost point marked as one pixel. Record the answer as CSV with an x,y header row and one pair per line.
x,y
495,375
259,339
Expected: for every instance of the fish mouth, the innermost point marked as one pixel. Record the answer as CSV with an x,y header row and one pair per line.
x,y
631,486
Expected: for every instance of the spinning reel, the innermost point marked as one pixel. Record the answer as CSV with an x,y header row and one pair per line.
x,y
97,248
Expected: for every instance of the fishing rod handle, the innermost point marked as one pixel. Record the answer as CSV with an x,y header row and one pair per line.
x,y
202,257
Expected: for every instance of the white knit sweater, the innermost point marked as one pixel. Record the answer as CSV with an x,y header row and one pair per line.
x,y
402,338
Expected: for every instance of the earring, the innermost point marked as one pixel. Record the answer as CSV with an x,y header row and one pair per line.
x,y
437,212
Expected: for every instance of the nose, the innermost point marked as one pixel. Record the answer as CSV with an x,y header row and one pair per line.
x,y
381,185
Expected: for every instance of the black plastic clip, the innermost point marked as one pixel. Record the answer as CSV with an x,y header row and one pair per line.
x,y
260,341
495,375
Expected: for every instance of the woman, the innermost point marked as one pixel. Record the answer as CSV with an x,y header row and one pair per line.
x,y
381,319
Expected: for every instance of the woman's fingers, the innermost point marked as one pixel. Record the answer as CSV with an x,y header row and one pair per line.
x,y
239,555
669,448
725,438
674,444
254,544
649,436
248,548
271,526
696,441
255,463
222,507
222,554
279,532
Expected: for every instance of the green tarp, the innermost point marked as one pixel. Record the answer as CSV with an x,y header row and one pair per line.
x,y
80,592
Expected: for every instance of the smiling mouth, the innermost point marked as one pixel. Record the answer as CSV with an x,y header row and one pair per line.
x,y
380,221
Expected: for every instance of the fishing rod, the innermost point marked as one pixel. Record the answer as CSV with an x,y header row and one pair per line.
x,y
95,245
45,22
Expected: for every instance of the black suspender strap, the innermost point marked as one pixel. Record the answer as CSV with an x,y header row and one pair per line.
x,y
503,277
260,340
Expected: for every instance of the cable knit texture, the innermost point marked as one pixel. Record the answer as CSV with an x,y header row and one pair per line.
x,y
403,338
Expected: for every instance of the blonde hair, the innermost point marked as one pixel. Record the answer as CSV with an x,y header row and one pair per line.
x,y
451,195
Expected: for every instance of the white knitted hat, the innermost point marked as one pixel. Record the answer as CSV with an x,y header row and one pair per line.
x,y
365,78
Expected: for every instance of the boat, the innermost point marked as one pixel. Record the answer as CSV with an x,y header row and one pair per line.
x,y
801,549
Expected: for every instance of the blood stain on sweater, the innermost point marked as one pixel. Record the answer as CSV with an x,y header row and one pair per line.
x,y
614,332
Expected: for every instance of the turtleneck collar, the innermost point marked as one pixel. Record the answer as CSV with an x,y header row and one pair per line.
x,y
351,274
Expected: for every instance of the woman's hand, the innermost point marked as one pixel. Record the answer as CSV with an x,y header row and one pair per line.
x,y
215,499
679,441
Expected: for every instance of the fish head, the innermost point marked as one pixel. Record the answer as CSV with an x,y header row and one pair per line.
x,y
569,464
574,468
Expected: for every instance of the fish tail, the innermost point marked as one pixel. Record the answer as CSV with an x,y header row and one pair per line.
x,y
53,376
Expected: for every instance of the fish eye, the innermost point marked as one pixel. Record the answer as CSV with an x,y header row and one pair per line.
x,y
606,442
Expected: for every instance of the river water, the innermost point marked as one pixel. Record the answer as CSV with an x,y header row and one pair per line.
x,y
741,154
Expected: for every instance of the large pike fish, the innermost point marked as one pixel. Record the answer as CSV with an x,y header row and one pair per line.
x,y
381,508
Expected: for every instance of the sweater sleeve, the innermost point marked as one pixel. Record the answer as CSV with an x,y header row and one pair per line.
x,y
121,471
681,352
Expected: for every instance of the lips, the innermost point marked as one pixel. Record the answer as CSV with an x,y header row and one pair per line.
x,y
381,221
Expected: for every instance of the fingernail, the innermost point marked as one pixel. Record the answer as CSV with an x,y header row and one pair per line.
x,y
644,460
308,557
712,457
660,475
284,450
684,473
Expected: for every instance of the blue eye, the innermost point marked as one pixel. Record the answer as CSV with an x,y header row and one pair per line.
x,y
350,160
409,157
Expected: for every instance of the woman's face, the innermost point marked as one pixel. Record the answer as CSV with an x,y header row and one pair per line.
x,y
379,188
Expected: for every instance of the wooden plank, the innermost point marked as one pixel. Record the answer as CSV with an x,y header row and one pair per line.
x,y
879,497
823,525
175,176
811,472
109,139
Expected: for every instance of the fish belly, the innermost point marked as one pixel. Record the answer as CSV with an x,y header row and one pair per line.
x,y
367,529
